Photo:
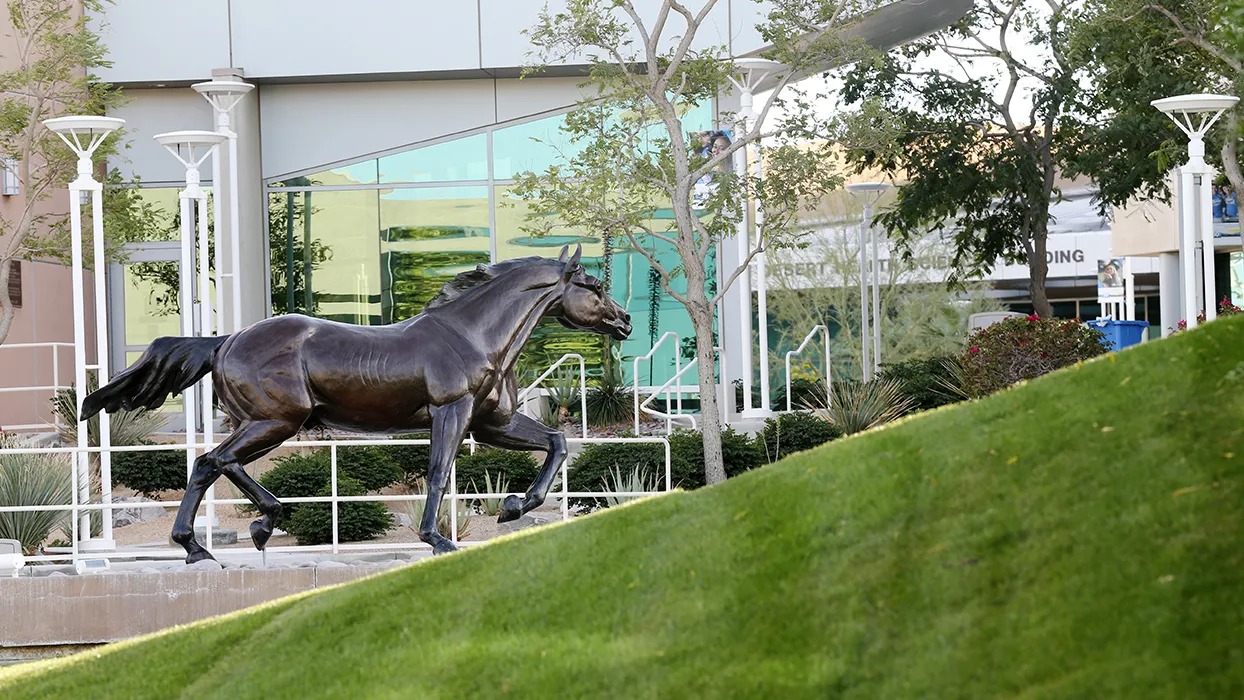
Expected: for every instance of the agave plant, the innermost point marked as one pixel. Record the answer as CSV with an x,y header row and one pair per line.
x,y
443,523
854,407
610,402
491,506
634,482
33,480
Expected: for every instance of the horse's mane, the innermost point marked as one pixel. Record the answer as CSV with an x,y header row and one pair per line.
x,y
482,274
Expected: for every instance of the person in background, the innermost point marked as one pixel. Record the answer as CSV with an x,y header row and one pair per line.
x,y
1230,209
1219,202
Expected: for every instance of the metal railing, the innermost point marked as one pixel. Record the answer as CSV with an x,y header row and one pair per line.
x,y
678,372
522,396
451,498
808,338
54,387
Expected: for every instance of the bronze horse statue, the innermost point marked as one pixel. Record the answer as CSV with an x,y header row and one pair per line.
x,y
449,370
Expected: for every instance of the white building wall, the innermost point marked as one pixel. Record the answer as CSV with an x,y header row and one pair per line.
x,y
170,41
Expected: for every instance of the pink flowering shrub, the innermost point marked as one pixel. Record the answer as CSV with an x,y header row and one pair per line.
x,y
1023,348
1225,308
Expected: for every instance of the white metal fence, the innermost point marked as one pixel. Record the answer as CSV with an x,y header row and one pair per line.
x,y
451,499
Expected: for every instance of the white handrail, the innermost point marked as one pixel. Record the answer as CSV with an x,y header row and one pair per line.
x,y
828,378
522,396
653,412
635,379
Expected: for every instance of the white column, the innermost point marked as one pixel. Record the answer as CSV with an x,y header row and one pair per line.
x,y
865,340
1168,291
1205,204
81,459
876,275
186,304
101,364
744,280
1187,245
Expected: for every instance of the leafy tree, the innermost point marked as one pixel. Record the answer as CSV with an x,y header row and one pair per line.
x,y
820,285
630,155
1132,52
53,53
982,140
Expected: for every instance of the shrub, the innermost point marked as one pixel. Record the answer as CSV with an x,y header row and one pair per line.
x,y
33,480
312,523
739,452
1225,308
802,392
296,476
925,383
794,432
1024,348
588,471
370,466
518,468
150,473
412,461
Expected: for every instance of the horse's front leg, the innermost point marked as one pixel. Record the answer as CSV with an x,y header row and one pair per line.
x,y
449,425
525,433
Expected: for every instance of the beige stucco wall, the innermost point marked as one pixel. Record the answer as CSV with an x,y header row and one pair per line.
x,y
1147,227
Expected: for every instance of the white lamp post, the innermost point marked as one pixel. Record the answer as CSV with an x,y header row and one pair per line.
x,y
84,135
191,148
868,193
224,94
752,72
1194,115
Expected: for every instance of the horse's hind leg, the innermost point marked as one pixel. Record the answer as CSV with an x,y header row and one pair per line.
x,y
250,440
525,433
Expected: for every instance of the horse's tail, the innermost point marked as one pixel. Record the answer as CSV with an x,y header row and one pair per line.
x,y
169,365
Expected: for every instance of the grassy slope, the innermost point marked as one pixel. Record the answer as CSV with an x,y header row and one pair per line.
x,y
1080,536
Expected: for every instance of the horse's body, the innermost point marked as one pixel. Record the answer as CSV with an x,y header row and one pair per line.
x,y
449,370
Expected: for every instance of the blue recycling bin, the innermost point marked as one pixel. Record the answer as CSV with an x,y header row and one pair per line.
x,y
1119,334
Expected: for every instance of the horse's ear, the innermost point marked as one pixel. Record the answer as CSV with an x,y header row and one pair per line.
x,y
562,257
573,263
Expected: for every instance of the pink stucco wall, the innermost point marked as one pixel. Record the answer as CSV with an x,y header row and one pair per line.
x,y
46,316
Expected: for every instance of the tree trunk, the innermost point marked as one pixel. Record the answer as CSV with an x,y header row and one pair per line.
x,y
7,310
1230,160
710,413
1038,268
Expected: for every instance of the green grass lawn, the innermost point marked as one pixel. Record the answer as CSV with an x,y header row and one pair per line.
x,y
1081,536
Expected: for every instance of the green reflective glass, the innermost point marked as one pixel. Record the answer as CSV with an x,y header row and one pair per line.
x,y
331,255
451,161
428,235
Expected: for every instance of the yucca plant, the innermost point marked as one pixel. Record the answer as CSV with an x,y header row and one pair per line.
x,y
443,524
636,481
125,428
854,407
563,394
491,506
33,480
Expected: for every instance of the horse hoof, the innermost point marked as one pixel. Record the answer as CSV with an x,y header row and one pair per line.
x,y
198,556
260,534
443,547
511,509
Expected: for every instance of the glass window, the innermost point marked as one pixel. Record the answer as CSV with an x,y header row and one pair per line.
x,y
331,255
428,235
1089,310
166,203
460,159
